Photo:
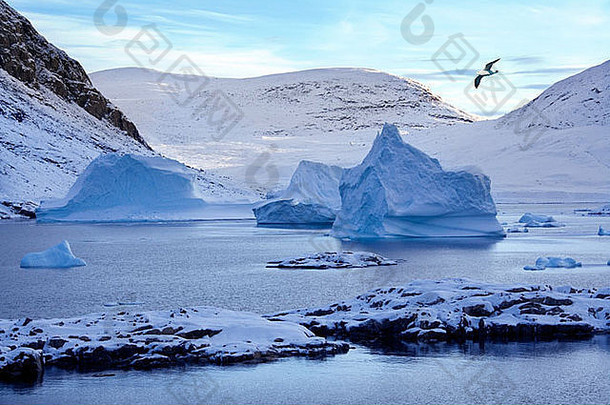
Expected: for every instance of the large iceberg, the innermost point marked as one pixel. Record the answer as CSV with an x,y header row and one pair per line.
x,y
312,197
399,191
56,257
127,187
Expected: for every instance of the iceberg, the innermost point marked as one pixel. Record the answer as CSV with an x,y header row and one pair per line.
x,y
57,257
603,232
554,262
399,191
538,221
312,197
127,187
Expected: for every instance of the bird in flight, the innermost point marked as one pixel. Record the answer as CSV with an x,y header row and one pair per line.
x,y
485,72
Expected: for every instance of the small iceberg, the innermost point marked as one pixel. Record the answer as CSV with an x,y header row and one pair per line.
x,y
603,232
57,257
554,262
334,260
311,198
539,221
516,229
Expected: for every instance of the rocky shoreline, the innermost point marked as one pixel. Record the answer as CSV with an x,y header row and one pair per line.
x,y
146,340
458,310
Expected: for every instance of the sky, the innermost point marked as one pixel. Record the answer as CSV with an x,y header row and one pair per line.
x,y
438,43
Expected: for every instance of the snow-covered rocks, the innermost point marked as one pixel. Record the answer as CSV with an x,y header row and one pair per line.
x,y
399,191
127,188
21,364
132,339
326,260
554,262
56,257
457,309
601,231
530,220
312,197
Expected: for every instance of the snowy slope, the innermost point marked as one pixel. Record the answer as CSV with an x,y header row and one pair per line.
x,y
327,115
555,148
578,101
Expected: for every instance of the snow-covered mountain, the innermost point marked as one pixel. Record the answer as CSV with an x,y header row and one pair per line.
x,y
53,122
323,114
580,100
555,148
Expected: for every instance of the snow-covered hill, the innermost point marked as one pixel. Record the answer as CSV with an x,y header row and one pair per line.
x,y
331,115
580,100
555,148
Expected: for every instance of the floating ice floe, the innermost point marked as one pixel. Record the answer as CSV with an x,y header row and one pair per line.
x,y
539,221
127,188
326,260
554,262
399,191
311,198
516,229
603,232
143,340
457,309
58,257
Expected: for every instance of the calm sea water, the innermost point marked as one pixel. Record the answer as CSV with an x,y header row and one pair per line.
x,y
222,263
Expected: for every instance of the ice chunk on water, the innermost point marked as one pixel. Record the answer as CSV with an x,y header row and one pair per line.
x,y
311,198
59,256
538,221
603,232
554,262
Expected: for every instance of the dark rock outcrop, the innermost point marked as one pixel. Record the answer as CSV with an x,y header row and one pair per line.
x,y
29,57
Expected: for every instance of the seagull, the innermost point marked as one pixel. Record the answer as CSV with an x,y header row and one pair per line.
x,y
485,72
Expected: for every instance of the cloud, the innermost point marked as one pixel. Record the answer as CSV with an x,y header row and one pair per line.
x,y
535,86
527,60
